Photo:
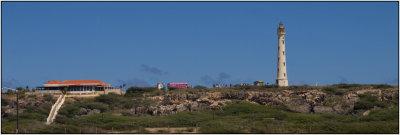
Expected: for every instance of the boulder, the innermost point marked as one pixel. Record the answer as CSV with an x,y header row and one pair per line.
x,y
83,111
323,109
304,108
94,111
180,108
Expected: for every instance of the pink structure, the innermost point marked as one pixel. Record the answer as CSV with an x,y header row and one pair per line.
x,y
178,85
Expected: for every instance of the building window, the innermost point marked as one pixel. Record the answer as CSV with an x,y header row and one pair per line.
x,y
283,41
284,74
284,63
283,52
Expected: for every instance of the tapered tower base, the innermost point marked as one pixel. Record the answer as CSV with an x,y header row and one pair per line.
x,y
282,82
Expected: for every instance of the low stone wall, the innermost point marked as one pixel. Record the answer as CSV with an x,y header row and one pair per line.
x,y
84,95
51,92
76,93
116,91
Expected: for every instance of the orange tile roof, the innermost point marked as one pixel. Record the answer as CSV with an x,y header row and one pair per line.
x,y
53,82
78,82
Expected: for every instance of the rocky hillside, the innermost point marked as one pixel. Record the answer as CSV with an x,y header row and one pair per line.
x,y
302,101
26,103
336,99
214,110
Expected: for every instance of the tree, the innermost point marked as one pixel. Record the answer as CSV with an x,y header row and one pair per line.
x,y
20,88
124,85
27,88
65,90
9,91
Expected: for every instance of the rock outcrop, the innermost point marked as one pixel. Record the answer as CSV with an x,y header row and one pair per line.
x,y
307,101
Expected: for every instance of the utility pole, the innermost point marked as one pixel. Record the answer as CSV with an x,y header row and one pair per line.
x,y
17,111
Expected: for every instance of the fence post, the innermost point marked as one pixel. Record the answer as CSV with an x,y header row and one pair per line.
x,y
65,130
213,115
197,128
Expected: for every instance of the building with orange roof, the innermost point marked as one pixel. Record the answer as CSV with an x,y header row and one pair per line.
x,y
76,85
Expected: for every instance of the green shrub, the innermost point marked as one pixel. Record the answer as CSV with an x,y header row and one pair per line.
x,y
47,97
70,110
172,88
156,93
119,126
243,107
244,87
333,91
5,102
34,116
383,86
110,99
9,92
59,129
382,115
269,86
138,91
368,101
199,87
329,90
94,105
346,86
365,105
220,127
42,109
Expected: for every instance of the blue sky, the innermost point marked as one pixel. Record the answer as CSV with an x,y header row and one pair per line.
x,y
142,43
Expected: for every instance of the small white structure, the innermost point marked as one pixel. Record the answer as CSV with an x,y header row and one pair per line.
x,y
281,79
160,86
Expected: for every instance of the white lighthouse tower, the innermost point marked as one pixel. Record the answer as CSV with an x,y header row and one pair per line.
x,y
281,79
